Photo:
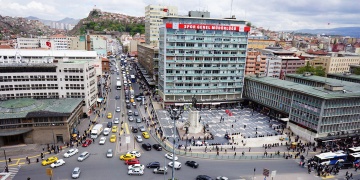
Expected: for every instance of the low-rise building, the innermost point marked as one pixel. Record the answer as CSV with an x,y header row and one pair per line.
x,y
255,62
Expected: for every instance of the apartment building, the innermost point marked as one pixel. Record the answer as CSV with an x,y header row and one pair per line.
x,y
148,58
57,42
202,57
255,62
65,74
336,62
153,15
260,43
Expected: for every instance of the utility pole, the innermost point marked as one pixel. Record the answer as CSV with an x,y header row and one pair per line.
x,y
7,168
175,114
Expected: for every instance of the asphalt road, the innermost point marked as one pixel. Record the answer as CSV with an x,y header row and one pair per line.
x,y
97,166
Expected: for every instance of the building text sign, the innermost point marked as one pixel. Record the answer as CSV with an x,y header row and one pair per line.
x,y
207,27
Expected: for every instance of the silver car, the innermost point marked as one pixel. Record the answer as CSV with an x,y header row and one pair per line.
x,y
138,138
131,118
83,156
109,153
76,173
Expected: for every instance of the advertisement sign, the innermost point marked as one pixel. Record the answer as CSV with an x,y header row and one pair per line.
x,y
207,27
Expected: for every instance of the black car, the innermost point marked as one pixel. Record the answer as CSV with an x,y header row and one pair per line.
x,y
146,146
117,97
128,106
203,177
157,147
109,124
153,165
192,164
134,130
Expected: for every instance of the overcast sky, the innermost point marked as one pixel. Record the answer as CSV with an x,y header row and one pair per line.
x,y
272,14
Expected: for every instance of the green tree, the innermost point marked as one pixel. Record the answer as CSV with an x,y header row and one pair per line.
x,y
357,71
248,24
318,70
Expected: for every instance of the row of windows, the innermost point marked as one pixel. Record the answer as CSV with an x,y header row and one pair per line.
x,y
191,58
179,91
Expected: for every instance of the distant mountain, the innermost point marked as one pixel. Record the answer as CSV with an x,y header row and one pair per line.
x,y
342,31
48,22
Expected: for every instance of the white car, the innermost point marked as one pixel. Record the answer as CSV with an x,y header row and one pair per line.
x,y
76,173
136,166
106,131
57,163
138,138
118,109
135,153
177,165
171,156
71,152
116,121
136,171
222,178
109,153
83,156
117,78
102,140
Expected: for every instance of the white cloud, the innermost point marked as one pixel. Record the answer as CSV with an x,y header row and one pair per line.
x,y
273,14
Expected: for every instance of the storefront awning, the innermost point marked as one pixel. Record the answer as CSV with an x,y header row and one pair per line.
x,y
12,132
100,99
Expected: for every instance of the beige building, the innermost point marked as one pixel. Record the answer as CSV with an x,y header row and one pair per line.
x,y
77,43
254,43
336,63
153,15
148,57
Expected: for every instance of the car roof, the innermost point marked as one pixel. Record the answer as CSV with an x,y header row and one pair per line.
x,y
76,169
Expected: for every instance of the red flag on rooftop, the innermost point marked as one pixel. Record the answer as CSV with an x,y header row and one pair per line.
x,y
48,44
165,10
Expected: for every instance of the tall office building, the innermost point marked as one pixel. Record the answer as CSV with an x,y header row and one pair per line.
x,y
201,56
153,15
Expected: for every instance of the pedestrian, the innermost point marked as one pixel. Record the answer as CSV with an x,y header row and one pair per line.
x,y
249,149
235,154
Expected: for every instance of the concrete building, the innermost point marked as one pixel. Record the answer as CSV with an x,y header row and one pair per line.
x,y
255,62
39,121
28,43
259,43
153,15
148,58
77,43
336,63
97,43
314,111
273,67
204,57
345,77
65,74
57,42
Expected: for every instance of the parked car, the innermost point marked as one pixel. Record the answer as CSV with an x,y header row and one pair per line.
x,y
157,147
57,163
109,153
153,165
222,178
49,160
177,165
132,162
135,153
138,138
87,143
136,113
146,146
140,166
203,177
136,171
138,120
71,152
76,173
160,170
171,156
131,118
102,140
83,156
192,164
134,130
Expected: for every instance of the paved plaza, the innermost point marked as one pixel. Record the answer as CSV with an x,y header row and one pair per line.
x,y
231,124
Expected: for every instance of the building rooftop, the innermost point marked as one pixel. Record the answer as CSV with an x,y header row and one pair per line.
x,y
48,53
350,89
26,107
350,76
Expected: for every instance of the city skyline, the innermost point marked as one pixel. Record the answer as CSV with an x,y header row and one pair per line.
x,y
273,14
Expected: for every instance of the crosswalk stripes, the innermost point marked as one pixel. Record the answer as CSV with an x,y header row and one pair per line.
x,y
13,171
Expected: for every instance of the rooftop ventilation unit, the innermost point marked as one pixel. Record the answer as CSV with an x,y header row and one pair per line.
x,y
307,74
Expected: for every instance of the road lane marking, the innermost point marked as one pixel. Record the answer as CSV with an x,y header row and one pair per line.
x,y
127,128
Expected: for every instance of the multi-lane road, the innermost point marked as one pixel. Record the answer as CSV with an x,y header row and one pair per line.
x,y
98,166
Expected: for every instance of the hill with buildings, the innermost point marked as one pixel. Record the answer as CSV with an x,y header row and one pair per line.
x,y
106,22
341,31
66,23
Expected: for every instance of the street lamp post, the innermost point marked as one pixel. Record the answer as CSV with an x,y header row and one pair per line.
x,y
175,114
52,129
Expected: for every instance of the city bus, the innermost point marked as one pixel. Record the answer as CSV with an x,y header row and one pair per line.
x,y
330,158
133,79
354,150
118,85
354,158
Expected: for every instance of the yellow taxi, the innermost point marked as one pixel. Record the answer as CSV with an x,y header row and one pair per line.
x,y
132,100
49,160
113,138
126,157
109,115
114,129
146,135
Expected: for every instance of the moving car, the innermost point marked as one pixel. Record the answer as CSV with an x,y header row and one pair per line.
x,y
138,120
153,165
117,97
109,115
138,99
57,163
113,138
192,164
136,113
146,135
102,140
160,170
109,153
138,138
71,152
130,112
106,131
76,173
176,166
157,147
171,156
87,143
132,162
142,129
127,157
83,156
114,129
133,102
134,130
116,121
135,153
140,166
146,146
203,177
49,160
117,109
136,171
109,124
131,118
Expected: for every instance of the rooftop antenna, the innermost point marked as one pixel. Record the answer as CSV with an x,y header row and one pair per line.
x,y
231,7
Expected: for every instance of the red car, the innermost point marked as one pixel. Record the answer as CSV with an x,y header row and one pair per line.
x,y
132,162
86,143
